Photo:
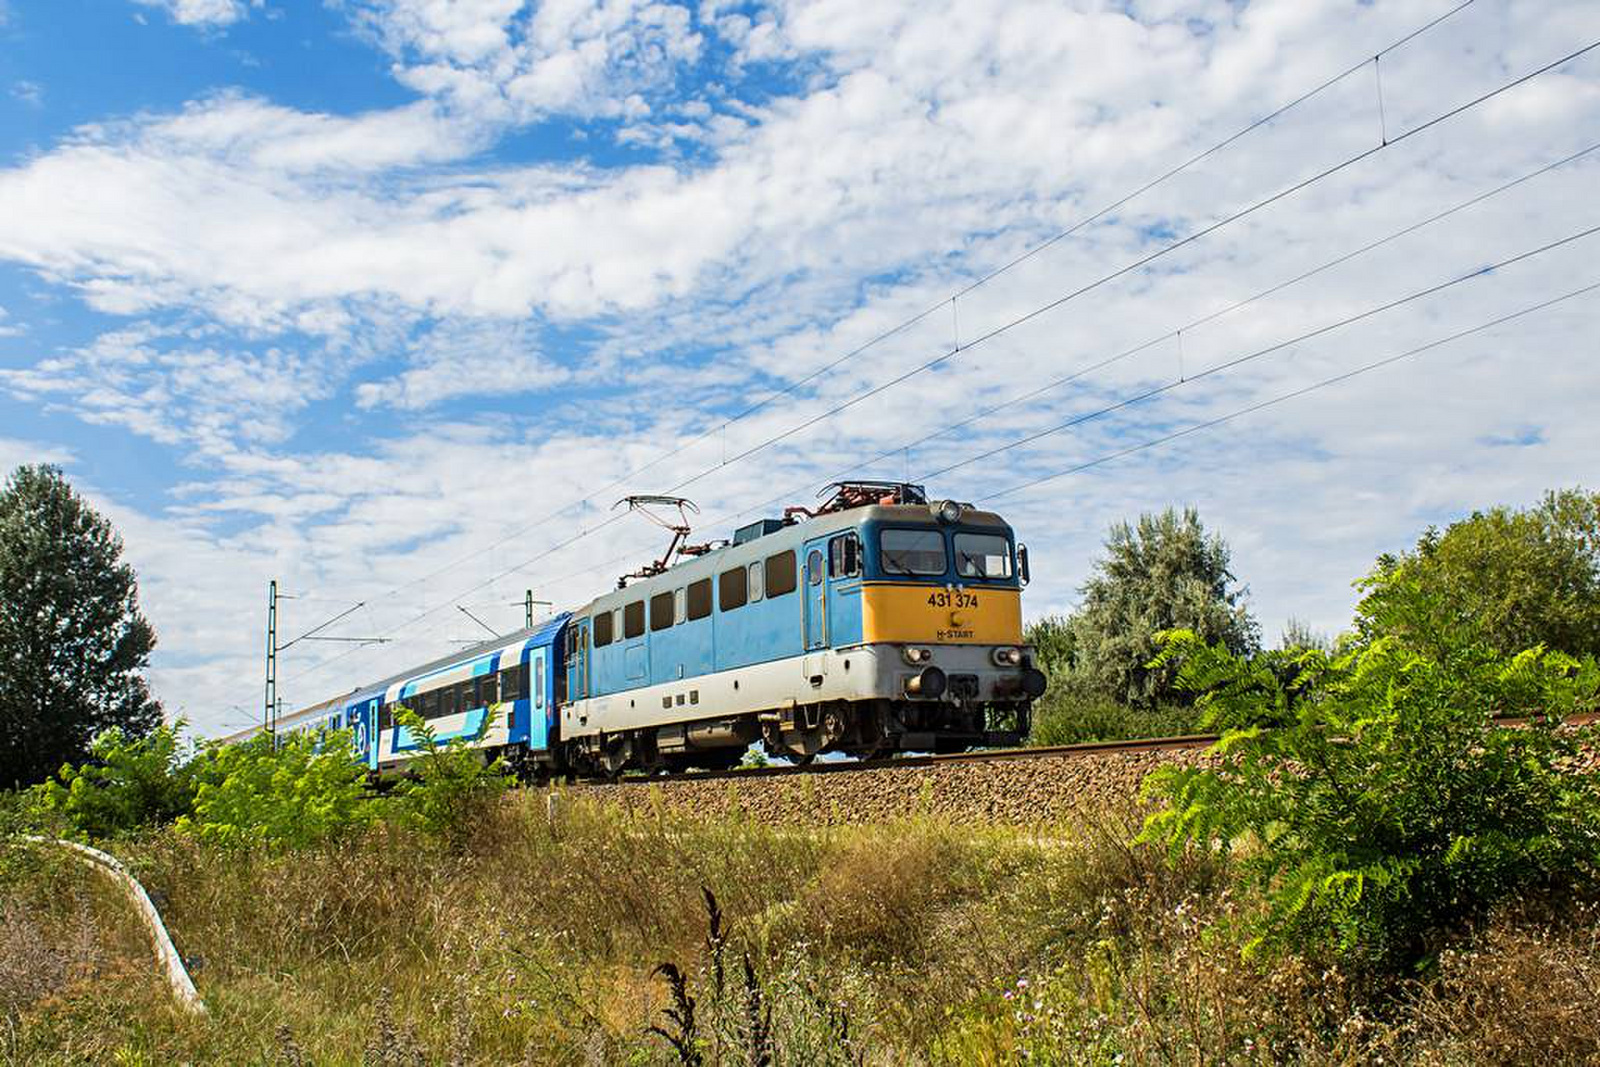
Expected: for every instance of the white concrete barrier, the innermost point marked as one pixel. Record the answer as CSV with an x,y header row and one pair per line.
x,y
176,974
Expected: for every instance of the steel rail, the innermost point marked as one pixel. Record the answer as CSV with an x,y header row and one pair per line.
x,y
992,755
989,755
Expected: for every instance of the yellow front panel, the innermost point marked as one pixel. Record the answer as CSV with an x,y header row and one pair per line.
x,y
926,614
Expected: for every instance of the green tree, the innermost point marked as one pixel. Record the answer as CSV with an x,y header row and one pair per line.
x,y
1163,573
1372,796
1520,578
451,781
72,641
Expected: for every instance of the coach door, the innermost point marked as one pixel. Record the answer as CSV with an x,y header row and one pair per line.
x,y
578,660
816,576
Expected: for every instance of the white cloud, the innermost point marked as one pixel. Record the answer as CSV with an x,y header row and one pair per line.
x,y
486,361
204,12
499,61
15,453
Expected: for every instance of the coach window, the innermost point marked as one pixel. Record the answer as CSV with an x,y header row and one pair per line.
x,y
700,598
602,630
755,582
661,611
814,567
780,574
680,609
489,690
616,622
732,591
633,619
538,683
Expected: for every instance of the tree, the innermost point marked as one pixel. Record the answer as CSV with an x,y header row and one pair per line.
x,y
72,640
1372,796
1520,578
1165,573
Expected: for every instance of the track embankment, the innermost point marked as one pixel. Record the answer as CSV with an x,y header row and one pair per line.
x,y
1018,789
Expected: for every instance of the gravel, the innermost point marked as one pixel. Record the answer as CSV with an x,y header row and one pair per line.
x,y
1016,792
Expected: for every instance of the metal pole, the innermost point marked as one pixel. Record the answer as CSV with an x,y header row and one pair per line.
x,y
268,721
528,605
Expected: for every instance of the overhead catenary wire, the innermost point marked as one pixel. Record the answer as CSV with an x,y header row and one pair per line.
x,y
1143,261
884,335
1005,327
1292,394
946,429
1167,387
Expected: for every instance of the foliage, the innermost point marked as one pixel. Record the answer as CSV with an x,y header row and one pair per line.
x,y
1162,573
126,785
1522,578
1069,714
290,791
1054,649
72,639
452,783
1376,802
1297,635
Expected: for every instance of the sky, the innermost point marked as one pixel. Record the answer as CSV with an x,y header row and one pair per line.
x,y
392,300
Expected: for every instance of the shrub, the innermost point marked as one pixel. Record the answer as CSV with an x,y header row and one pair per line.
x,y
128,784
1070,714
452,783
1379,804
289,791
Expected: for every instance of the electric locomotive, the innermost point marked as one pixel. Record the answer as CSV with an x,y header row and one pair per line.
x,y
880,622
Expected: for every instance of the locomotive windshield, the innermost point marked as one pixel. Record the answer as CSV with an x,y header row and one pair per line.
x,y
982,556
912,551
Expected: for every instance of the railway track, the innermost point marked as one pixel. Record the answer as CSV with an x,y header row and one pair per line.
x,y
992,755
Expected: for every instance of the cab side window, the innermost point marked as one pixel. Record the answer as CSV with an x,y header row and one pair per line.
x,y
844,556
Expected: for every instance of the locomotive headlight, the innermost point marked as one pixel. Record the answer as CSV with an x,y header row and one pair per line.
x,y
914,656
1007,657
948,512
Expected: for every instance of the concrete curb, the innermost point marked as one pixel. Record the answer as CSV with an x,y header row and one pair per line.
x,y
177,975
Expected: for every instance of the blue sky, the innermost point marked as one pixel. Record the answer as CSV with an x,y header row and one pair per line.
x,y
390,299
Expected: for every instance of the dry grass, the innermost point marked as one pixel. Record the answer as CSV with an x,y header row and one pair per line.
x,y
912,942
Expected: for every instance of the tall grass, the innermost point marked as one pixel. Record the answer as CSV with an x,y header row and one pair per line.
x,y
539,938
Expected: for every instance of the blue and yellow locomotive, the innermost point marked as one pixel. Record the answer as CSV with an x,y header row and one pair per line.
x,y
879,623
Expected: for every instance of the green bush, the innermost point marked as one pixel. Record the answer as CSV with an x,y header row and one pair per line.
x,y
451,781
1372,796
1071,714
302,789
128,784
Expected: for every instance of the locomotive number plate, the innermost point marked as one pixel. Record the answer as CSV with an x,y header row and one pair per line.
x,y
947,599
